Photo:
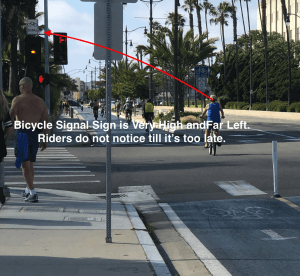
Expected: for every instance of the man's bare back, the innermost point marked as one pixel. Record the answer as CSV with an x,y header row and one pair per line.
x,y
29,108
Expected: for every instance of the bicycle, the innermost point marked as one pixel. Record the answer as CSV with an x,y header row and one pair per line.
x,y
212,145
96,114
128,117
148,119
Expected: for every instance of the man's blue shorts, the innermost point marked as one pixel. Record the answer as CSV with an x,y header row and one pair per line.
x,y
33,143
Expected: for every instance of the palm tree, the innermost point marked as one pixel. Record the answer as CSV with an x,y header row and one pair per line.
x,y
242,16
222,12
208,7
199,8
192,50
236,47
170,19
250,47
188,6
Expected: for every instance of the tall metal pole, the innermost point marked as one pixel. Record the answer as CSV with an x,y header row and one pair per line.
x,y
126,60
47,88
264,6
176,62
95,76
1,79
250,35
108,120
151,69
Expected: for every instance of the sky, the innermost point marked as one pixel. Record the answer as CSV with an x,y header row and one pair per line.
x,y
76,18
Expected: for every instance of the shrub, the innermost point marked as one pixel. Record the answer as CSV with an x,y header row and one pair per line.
x,y
246,107
183,114
258,106
236,105
162,117
277,106
294,107
189,119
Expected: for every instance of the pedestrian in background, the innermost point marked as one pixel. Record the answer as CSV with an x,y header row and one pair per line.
x,y
5,131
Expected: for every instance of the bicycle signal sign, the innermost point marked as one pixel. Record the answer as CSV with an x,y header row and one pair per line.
x,y
201,71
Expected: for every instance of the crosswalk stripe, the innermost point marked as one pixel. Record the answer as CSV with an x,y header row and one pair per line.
x,y
61,175
38,171
239,188
52,167
52,182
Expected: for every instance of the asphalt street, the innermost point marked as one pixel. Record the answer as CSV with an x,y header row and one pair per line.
x,y
224,200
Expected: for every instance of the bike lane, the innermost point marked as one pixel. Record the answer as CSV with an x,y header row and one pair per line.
x,y
246,236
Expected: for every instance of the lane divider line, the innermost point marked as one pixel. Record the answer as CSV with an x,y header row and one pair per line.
x,y
207,258
289,203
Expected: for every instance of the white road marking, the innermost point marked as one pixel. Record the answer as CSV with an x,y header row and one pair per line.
x,y
38,171
243,135
273,133
239,188
53,182
51,175
275,236
248,141
147,243
50,167
209,260
48,155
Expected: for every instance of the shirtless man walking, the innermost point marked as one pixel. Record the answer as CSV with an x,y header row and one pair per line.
x,y
29,108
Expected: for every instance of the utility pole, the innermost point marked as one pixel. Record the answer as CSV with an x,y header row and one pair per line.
x,y
264,6
126,59
176,61
1,80
47,88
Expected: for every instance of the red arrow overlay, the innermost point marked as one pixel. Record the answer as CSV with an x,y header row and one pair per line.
x,y
48,33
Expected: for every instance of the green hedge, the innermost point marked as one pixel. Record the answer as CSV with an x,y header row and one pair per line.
x,y
278,106
294,107
236,105
258,106
183,114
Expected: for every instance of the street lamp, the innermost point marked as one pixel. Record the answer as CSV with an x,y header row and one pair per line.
x,y
151,20
126,31
287,22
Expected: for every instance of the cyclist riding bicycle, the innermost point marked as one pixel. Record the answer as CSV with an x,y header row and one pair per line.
x,y
95,109
128,107
213,110
148,113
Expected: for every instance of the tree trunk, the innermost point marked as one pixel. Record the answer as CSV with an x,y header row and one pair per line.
x,y
14,78
224,51
199,19
180,96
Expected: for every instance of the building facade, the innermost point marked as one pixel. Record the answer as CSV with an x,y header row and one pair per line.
x,y
275,19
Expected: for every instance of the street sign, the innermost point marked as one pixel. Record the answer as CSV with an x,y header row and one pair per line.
x,y
32,27
197,72
100,33
204,72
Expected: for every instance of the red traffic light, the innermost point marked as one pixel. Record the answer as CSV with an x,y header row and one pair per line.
x,y
41,78
44,78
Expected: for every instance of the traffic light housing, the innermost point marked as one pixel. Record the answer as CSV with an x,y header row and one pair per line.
x,y
33,51
60,49
44,78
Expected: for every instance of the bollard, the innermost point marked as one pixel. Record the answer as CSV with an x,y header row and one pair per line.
x,y
71,112
274,159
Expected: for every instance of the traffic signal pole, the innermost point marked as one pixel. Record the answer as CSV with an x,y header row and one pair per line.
x,y
47,87
1,81
108,120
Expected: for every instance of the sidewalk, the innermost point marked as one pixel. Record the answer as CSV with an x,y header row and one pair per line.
x,y
65,233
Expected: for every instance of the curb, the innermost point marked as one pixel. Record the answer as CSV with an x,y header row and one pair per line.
x,y
147,243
